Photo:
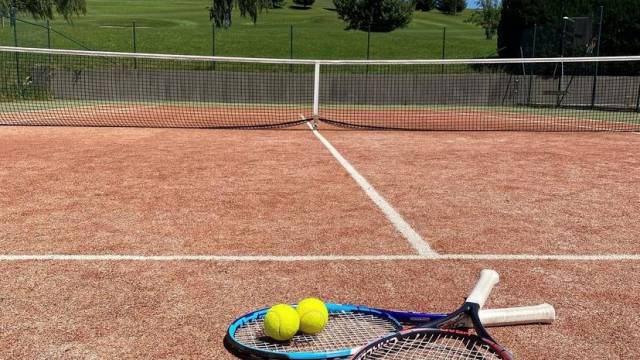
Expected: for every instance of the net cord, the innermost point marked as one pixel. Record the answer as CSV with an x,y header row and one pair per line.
x,y
600,59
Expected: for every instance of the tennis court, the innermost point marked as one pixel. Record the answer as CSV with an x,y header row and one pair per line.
x,y
134,226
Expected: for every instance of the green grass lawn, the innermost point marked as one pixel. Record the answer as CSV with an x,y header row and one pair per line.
x,y
183,27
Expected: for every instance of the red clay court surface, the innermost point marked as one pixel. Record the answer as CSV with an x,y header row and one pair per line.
x,y
238,220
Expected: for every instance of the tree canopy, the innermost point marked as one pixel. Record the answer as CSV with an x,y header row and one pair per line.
x,y
220,10
376,15
451,6
304,3
425,5
45,9
488,16
619,31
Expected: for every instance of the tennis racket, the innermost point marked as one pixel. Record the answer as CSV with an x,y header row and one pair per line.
x,y
351,326
440,339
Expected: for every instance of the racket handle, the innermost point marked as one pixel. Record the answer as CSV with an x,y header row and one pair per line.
x,y
480,293
537,314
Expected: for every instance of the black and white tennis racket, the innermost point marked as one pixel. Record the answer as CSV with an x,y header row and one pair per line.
x,y
440,339
351,327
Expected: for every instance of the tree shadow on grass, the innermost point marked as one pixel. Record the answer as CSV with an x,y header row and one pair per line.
x,y
298,7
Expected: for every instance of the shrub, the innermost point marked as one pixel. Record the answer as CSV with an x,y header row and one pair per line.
x,y
425,5
377,15
305,3
451,6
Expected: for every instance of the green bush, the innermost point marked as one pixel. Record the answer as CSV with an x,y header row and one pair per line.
x,y
620,26
451,6
425,5
377,15
305,3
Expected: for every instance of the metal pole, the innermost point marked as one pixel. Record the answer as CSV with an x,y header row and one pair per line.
x,y
535,38
290,41
14,23
135,45
369,42
213,39
533,54
444,42
638,100
316,94
48,34
595,73
213,43
564,29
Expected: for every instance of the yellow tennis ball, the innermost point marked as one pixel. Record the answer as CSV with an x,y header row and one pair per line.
x,y
281,322
313,315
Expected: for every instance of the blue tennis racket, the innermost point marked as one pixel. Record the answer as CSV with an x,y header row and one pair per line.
x,y
351,327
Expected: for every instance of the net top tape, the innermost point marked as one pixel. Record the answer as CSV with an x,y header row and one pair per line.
x,y
199,58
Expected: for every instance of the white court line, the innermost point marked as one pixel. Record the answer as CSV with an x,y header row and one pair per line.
x,y
316,258
421,246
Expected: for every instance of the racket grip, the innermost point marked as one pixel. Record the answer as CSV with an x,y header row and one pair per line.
x,y
480,293
537,314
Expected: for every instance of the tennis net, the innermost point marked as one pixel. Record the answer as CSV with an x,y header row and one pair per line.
x,y
83,88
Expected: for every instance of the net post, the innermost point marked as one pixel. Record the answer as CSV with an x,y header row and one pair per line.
x,y
316,95
638,100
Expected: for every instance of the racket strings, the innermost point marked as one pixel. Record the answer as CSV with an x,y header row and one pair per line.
x,y
344,330
434,346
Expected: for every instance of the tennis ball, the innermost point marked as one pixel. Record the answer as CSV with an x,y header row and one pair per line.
x,y
313,315
281,322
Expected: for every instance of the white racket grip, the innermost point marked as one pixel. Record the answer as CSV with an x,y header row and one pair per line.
x,y
537,314
480,293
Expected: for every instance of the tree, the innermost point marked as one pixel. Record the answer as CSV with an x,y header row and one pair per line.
x,y
619,30
220,10
451,6
425,5
488,16
44,9
305,3
377,15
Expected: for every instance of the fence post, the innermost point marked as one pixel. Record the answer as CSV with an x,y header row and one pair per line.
x,y
369,42
535,38
533,55
14,23
135,45
444,42
134,36
213,42
595,73
48,34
